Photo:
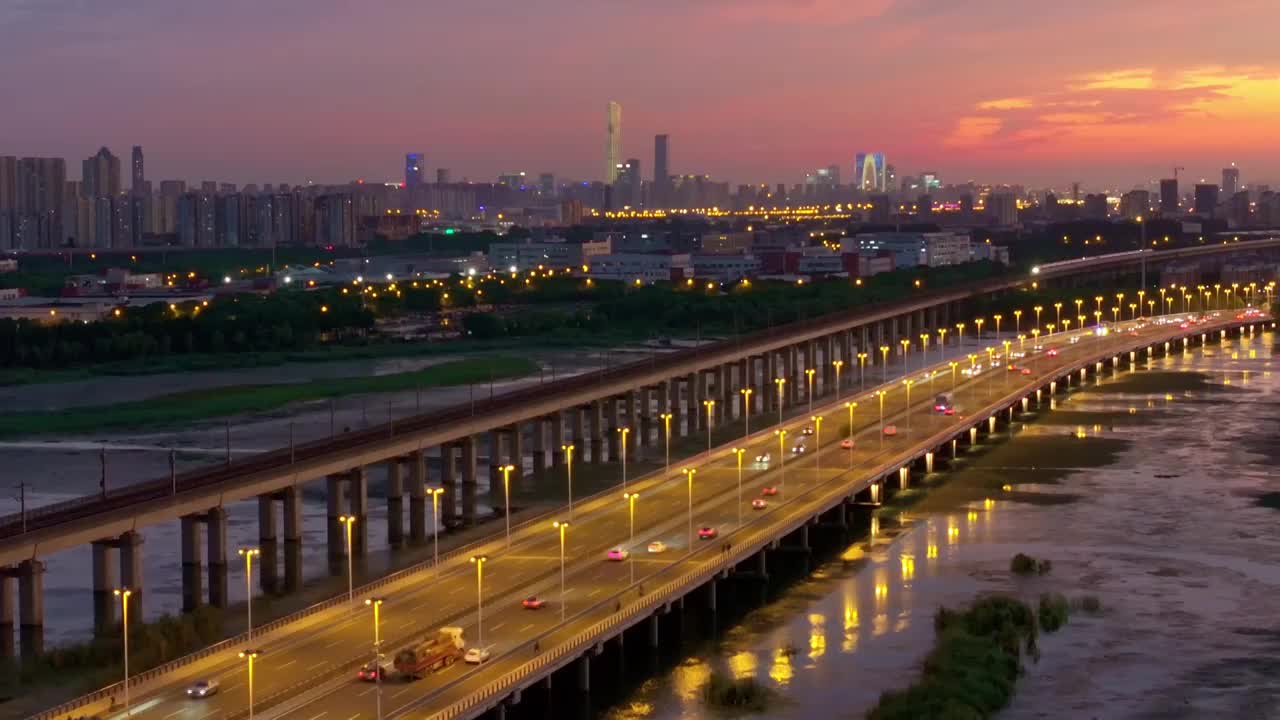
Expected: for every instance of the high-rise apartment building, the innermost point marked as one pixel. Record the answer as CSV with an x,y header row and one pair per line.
x,y
1169,196
101,175
613,142
1003,206
869,172
661,172
138,184
442,176
415,170
1230,180
8,182
1206,198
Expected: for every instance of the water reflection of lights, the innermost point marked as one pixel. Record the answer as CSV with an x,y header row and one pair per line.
x,y
743,664
880,625
817,635
908,566
689,677
953,534
1006,487
781,670
875,527
851,621
988,503
932,551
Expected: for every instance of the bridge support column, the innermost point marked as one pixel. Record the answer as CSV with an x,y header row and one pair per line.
x,y
192,564
676,407
7,594
655,632
556,420
31,606
469,480
711,595
928,462
449,481
395,503
417,497
104,583
631,418
584,674
697,393
723,409
515,450
336,509
904,477
216,526
645,439
268,545
768,395
130,544
828,356
292,502
497,458
539,452
596,412
358,497
614,443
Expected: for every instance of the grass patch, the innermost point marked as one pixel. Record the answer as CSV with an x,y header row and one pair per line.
x,y
1023,564
1087,604
1156,381
1052,612
974,666
744,694
198,405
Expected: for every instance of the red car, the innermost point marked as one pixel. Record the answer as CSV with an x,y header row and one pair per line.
x,y
533,602
846,444
369,672
759,503
706,533
1026,371
1053,352
768,490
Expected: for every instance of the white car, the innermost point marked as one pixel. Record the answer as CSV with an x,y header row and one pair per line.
x,y
657,546
1075,339
798,449
476,655
202,689
763,459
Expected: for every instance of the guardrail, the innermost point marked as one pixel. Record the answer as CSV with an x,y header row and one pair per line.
x,y
709,568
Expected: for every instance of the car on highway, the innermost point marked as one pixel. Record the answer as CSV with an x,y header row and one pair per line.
x,y
370,671
768,491
798,449
1026,371
1053,352
707,532
202,689
762,460
759,504
657,546
533,602
890,430
618,554
1015,354
846,444
1013,368
808,430
476,655
1184,325
972,370
1075,339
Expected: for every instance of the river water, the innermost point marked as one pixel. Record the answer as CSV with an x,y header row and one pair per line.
x,y
1144,492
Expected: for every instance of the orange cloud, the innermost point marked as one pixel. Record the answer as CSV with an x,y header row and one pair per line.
x,y
1131,79
1005,104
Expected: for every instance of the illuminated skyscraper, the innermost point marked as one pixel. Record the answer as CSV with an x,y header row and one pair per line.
x,y
139,174
869,172
414,170
613,142
1230,180
101,175
661,173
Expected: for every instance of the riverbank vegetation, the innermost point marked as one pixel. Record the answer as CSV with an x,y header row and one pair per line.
x,y
1023,564
744,694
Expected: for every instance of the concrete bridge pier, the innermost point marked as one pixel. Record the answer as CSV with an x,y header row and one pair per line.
x,y
395,502
515,450
449,478
584,673
469,476
698,393
596,412
358,502
7,593
613,428
31,607
538,439
104,585
417,461
216,526
904,477
643,401
768,391
268,545
291,498
497,459
724,401
192,563
556,423
337,542
795,376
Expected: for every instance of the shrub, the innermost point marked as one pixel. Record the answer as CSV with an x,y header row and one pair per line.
x,y
1088,603
722,691
1053,612
1023,564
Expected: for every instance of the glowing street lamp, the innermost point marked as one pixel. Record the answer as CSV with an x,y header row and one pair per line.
x,y
1038,308
953,365
562,527
908,383
979,323
997,317
851,406
688,474
746,411
880,394
884,363
623,432
837,364
435,493
817,443
631,541
780,382
250,655
347,521
479,561
782,455
710,405
960,337
808,374
738,452
862,375
666,437
1057,308
376,604
568,462
506,497
249,554
942,343
1098,299
123,594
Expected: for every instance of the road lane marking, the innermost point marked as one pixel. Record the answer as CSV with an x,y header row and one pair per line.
x,y
366,692
595,592
335,642
281,667
175,712
495,628
353,717
526,627
322,662
407,689
317,717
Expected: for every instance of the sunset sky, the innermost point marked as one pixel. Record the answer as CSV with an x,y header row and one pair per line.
x,y
1112,93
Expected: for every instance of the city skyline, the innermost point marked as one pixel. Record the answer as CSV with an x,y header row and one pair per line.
x,y
1119,116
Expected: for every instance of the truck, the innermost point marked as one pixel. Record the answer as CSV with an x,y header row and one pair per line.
x,y
433,653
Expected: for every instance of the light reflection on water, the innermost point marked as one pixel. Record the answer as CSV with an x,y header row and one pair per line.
x,y
1169,537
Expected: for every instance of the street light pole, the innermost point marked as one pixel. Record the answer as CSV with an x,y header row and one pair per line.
x,y
884,363
908,383
782,456
506,498
710,405
248,554
562,527
862,371
376,604
851,406
250,655
746,411
688,474
780,382
817,445
568,459
808,373
666,439
837,364
123,594
347,520
631,538
435,524
738,452
479,561
624,431
880,394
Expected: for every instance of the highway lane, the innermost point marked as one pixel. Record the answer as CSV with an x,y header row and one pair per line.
x,y
514,628
532,566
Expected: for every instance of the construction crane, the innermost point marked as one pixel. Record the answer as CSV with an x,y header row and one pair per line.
x,y
1175,172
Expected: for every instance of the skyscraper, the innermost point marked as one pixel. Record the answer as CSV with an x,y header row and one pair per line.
x,y
1206,199
1230,180
414,171
661,173
869,172
101,175
139,175
613,142
442,176
1169,195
